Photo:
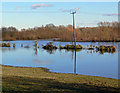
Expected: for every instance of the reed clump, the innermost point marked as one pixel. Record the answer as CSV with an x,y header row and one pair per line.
x,y
5,45
71,47
49,46
14,45
103,48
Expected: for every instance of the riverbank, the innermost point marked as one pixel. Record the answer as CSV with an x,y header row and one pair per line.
x,y
35,80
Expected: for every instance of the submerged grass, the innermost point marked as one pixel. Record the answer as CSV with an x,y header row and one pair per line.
x,y
108,49
71,47
5,45
37,80
49,46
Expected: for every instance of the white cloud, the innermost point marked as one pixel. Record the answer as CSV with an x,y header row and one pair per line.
x,y
35,6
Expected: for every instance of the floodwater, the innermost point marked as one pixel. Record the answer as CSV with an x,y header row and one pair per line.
x,y
88,62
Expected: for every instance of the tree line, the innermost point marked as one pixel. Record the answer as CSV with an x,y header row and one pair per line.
x,y
105,31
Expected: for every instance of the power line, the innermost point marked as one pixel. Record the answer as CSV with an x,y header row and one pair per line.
x,y
30,12
79,12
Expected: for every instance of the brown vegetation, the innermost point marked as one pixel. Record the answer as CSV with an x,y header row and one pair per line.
x,y
49,46
105,31
71,47
5,45
108,49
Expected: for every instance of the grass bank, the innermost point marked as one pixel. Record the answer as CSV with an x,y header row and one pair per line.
x,y
40,80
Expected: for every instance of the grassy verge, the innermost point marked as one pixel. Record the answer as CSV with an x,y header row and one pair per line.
x,y
40,80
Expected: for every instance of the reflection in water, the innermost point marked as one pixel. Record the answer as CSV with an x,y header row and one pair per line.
x,y
8,49
119,61
72,50
42,62
75,63
103,51
100,52
89,62
50,51
21,45
35,49
74,55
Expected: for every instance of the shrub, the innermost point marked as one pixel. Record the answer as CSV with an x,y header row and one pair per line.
x,y
49,46
103,49
5,45
14,45
70,47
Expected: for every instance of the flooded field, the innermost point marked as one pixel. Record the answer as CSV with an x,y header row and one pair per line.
x,y
88,62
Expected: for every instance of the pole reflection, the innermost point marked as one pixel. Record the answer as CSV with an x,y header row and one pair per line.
x,y
75,63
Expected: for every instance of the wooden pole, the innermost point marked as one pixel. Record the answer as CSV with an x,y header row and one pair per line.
x,y
74,32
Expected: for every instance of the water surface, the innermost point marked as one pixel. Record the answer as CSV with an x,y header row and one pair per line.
x,y
88,62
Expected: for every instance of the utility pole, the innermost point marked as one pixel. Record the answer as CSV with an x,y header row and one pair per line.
x,y
74,32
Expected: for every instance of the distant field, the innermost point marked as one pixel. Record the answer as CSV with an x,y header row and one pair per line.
x,y
37,80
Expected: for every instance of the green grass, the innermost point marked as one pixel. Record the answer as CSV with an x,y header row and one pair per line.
x,y
40,80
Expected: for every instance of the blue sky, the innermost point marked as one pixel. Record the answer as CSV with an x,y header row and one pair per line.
x,y
23,15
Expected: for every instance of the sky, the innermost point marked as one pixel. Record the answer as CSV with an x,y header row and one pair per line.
x,y
35,14
60,0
